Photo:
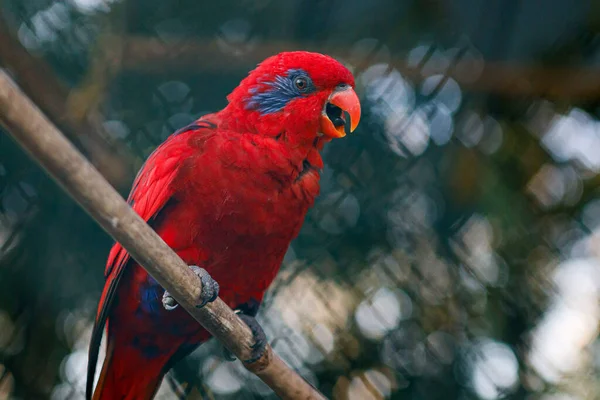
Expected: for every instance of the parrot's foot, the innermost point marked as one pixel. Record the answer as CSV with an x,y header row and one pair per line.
x,y
210,290
260,340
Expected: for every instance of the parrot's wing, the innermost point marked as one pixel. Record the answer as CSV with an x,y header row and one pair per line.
x,y
151,191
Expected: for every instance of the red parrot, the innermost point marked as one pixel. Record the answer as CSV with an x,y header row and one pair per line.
x,y
227,193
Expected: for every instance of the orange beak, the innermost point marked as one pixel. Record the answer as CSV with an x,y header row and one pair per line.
x,y
342,100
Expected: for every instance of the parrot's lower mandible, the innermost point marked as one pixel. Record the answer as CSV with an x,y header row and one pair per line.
x,y
227,193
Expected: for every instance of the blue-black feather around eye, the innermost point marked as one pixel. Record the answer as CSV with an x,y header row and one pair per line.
x,y
280,92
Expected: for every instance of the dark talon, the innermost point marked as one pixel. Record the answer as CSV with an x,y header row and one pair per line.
x,y
210,290
260,339
168,302
210,287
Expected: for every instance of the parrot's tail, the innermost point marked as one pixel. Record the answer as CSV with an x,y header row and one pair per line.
x,y
128,374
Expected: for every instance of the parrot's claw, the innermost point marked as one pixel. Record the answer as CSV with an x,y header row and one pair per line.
x,y
210,287
260,340
210,290
169,302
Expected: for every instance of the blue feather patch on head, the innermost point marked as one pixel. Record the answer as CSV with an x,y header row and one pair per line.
x,y
279,93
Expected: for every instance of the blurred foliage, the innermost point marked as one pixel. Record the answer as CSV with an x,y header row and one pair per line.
x,y
452,253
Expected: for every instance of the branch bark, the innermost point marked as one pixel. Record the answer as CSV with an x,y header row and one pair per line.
x,y
61,160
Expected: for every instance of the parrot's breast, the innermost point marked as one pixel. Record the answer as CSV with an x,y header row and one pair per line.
x,y
236,220
234,214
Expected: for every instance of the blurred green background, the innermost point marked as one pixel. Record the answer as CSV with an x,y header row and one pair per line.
x,y
453,252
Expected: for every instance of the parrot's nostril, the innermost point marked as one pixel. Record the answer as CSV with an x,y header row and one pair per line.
x,y
335,114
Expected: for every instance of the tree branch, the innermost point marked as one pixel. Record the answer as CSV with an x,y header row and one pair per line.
x,y
61,160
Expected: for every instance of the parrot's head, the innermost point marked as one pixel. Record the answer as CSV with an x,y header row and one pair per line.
x,y
299,94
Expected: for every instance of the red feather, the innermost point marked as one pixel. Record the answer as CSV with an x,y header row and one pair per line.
x,y
227,193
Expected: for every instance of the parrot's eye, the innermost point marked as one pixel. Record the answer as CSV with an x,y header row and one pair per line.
x,y
301,83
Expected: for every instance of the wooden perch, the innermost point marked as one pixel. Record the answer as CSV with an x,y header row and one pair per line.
x,y
46,144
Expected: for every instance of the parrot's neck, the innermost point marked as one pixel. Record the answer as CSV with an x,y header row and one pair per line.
x,y
296,139
295,126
